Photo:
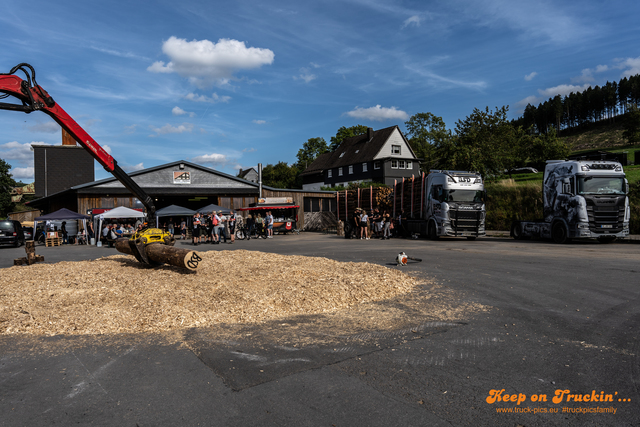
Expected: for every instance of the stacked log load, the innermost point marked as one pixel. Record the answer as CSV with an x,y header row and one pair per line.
x,y
363,198
408,196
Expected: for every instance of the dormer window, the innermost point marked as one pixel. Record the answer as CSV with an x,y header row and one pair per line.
x,y
395,149
342,154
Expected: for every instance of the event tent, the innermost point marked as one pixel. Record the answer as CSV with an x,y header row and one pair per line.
x,y
173,210
210,208
119,212
60,215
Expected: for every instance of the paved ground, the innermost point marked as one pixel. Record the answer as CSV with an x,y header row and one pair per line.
x,y
561,317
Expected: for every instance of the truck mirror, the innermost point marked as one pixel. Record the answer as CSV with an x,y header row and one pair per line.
x,y
626,186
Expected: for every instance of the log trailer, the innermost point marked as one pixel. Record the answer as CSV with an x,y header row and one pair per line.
x,y
35,98
442,203
582,199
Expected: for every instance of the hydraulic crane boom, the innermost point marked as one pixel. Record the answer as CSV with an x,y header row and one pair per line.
x,y
34,98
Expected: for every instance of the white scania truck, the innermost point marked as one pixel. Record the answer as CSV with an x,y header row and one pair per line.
x,y
453,204
582,199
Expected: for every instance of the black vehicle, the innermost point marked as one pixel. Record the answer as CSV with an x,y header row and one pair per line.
x,y
11,233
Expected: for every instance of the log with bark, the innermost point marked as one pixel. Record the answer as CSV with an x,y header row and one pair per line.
x,y
157,253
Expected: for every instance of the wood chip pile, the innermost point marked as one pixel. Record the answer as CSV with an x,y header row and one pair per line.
x,y
119,295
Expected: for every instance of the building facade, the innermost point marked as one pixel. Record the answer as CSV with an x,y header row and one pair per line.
x,y
381,156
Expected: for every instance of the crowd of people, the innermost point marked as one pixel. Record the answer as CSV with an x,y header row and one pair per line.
x,y
377,225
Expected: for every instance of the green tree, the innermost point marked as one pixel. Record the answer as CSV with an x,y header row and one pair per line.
x,y
485,142
632,124
344,133
426,133
281,175
6,184
540,148
310,150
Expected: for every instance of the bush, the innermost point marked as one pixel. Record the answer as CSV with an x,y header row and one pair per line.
x,y
507,202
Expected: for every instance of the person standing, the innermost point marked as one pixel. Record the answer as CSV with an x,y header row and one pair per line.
x,y
215,220
183,229
269,222
65,235
195,229
364,220
386,234
232,226
170,226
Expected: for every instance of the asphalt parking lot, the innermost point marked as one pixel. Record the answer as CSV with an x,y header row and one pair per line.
x,y
559,317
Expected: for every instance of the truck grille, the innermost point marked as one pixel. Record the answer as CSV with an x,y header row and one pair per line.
x,y
463,220
605,219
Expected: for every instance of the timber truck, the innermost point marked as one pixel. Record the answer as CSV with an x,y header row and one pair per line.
x,y
443,203
582,199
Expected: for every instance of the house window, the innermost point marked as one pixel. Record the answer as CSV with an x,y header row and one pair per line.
x,y
376,165
364,167
350,169
394,164
339,171
409,165
400,164
395,149
329,173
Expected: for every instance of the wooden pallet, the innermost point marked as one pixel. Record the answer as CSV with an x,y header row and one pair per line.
x,y
53,241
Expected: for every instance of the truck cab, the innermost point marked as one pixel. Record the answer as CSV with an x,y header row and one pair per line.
x,y
453,206
582,199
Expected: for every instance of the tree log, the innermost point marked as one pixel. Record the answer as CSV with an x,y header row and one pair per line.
x,y
164,254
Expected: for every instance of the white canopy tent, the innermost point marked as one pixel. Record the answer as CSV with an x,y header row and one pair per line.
x,y
119,212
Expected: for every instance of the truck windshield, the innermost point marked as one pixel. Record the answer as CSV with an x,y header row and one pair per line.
x,y
463,196
600,185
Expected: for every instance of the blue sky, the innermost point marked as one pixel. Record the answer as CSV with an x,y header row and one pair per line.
x,y
236,83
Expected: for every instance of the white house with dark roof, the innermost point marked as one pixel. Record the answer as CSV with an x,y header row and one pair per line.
x,y
379,156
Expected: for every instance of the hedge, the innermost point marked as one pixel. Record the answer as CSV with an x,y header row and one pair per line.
x,y
506,203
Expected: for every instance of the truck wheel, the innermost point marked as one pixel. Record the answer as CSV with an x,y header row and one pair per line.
x,y
516,230
432,234
347,230
559,233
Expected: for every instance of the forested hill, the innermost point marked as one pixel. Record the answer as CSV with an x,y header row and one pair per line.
x,y
597,136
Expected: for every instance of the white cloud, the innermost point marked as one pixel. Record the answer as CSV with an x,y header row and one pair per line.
x,y
259,122
533,100
530,77
15,151
47,127
205,63
378,113
133,168
131,129
107,149
306,75
177,111
212,159
630,66
414,20
203,98
166,129
562,90
248,150
23,173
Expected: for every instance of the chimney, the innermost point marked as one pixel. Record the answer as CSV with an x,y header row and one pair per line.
x,y
369,134
67,139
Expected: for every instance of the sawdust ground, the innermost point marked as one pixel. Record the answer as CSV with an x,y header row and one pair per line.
x,y
291,299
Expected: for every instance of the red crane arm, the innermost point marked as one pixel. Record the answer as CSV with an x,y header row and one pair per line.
x,y
35,98
38,99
